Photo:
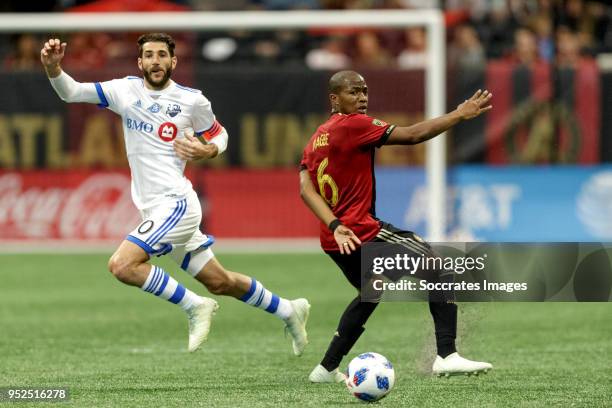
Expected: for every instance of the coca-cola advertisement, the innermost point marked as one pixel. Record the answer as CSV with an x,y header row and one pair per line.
x,y
88,207
74,205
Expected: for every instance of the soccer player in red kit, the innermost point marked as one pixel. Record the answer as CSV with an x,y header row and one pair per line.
x,y
337,184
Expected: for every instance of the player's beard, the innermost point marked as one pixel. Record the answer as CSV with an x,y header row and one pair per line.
x,y
162,82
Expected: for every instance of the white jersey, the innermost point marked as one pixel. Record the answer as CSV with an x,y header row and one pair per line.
x,y
151,121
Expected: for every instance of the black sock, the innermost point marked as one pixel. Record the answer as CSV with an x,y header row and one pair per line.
x,y
445,321
339,347
349,330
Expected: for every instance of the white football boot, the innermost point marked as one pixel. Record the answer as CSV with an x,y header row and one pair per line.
x,y
200,318
321,375
296,325
454,364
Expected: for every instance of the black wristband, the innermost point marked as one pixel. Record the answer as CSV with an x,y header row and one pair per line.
x,y
334,224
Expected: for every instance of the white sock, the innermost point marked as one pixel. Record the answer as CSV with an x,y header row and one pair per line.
x,y
262,298
166,287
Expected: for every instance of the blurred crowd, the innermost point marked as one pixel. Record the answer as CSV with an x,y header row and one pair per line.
x,y
523,31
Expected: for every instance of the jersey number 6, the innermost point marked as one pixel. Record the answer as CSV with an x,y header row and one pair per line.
x,y
324,179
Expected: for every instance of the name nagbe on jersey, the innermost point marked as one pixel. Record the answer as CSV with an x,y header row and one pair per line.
x,y
320,141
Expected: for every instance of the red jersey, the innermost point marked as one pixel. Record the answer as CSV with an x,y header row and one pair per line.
x,y
340,160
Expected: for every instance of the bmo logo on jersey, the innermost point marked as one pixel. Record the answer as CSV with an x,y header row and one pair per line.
x,y
134,124
167,131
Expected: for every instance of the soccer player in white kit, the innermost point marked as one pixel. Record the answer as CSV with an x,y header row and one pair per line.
x,y
160,118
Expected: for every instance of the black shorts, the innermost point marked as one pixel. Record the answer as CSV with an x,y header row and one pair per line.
x,y
351,264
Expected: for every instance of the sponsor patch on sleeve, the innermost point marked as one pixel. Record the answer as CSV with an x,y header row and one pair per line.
x,y
378,122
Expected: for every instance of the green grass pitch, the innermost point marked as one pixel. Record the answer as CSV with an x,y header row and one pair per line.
x,y
65,322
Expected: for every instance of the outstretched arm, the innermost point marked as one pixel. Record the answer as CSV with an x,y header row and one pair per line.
x,y
345,238
66,88
423,131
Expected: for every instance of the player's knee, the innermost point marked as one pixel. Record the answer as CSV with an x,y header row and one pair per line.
x,y
221,284
121,268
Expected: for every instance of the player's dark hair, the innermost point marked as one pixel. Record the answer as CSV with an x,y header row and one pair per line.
x,y
338,80
156,37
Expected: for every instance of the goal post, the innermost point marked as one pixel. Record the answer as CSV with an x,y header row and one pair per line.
x,y
432,20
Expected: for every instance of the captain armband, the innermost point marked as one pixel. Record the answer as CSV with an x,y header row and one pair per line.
x,y
216,135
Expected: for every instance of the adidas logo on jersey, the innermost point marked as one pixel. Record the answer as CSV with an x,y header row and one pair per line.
x,y
137,104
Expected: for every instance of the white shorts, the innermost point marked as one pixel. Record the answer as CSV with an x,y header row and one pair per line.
x,y
173,228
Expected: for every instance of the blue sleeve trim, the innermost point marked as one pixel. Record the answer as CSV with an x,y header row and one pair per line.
x,y
163,249
247,295
186,259
208,243
103,101
147,248
205,245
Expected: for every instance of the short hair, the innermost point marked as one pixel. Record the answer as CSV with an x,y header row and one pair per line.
x,y
339,79
156,37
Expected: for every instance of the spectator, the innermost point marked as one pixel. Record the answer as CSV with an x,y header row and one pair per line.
x,y
283,46
87,51
572,15
330,55
414,55
466,50
602,26
568,48
26,54
525,47
369,51
219,49
266,50
542,27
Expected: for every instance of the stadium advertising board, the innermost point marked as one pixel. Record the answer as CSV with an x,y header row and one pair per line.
x,y
506,203
75,205
485,203
91,206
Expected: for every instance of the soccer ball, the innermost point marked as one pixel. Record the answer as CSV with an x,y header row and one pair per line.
x,y
370,377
